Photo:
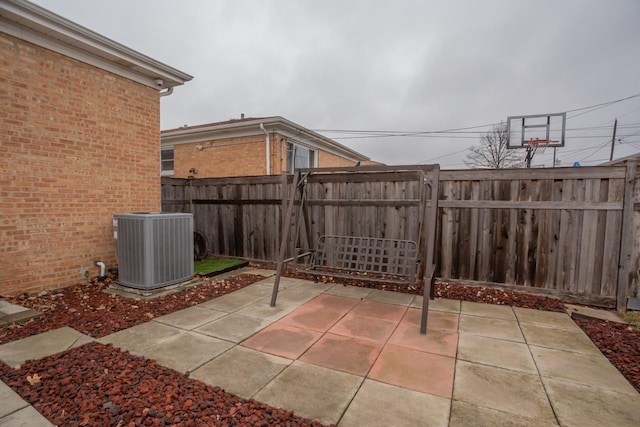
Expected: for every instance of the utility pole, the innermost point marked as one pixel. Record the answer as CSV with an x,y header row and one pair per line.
x,y
613,139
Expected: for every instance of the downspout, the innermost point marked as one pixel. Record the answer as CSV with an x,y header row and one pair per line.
x,y
268,142
167,92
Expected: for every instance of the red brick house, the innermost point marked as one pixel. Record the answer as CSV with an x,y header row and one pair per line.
x,y
249,147
79,141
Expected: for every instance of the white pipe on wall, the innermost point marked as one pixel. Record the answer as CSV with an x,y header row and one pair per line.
x,y
268,142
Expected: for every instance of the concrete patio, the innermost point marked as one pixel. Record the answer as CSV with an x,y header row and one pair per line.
x,y
354,357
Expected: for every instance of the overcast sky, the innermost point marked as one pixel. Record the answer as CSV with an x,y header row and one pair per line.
x,y
405,66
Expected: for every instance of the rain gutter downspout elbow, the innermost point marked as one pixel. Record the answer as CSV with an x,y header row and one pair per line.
x,y
268,142
167,92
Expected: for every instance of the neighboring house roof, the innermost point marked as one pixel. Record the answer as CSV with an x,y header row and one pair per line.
x,y
26,21
251,126
621,161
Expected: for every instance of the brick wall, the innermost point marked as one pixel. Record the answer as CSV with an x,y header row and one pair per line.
x,y
328,160
241,156
78,144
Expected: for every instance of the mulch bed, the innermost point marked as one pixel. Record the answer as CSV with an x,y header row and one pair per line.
x,y
619,342
87,309
97,384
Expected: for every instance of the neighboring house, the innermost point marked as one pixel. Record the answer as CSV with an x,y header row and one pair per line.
x,y
79,142
249,147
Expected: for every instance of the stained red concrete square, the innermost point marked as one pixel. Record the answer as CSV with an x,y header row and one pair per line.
x,y
346,354
414,370
435,341
333,302
379,310
436,320
313,316
363,327
282,340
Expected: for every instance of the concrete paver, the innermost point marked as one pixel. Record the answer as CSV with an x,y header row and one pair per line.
x,y
378,310
314,317
140,337
39,346
381,405
495,352
363,362
311,391
346,354
258,290
438,304
587,369
263,310
561,339
487,310
390,297
435,341
241,371
353,325
594,313
25,417
437,320
504,390
283,340
231,302
545,318
465,414
578,405
11,401
491,327
186,351
233,327
297,294
8,308
190,318
349,291
397,365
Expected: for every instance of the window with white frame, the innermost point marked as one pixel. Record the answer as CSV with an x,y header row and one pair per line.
x,y
299,156
166,161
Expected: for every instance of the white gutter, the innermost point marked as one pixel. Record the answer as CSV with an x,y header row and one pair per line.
x,y
268,142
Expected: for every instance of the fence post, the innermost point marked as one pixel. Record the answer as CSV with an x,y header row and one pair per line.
x,y
626,238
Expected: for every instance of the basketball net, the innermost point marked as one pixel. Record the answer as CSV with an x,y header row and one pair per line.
x,y
539,143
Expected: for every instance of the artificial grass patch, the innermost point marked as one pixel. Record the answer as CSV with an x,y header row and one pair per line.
x,y
212,265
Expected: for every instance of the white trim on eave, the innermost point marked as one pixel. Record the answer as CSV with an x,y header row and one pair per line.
x,y
29,22
252,127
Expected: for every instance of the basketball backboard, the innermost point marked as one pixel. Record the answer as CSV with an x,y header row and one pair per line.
x,y
536,128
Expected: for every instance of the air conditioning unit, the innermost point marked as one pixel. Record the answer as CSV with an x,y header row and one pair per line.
x,y
153,249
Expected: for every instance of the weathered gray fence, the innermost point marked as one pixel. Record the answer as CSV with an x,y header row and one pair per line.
x,y
564,231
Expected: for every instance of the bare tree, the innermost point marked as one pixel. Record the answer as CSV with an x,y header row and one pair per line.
x,y
492,151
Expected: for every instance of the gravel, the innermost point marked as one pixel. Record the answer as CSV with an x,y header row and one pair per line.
x,y
97,384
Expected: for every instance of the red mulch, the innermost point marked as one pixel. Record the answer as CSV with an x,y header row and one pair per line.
x,y
87,309
98,385
619,342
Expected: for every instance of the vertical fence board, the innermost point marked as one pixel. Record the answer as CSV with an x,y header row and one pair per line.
x,y
558,230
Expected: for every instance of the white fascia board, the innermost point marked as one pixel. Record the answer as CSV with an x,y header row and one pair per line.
x,y
39,26
278,124
205,136
318,144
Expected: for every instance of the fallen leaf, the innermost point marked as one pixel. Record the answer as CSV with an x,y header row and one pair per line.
x,y
33,379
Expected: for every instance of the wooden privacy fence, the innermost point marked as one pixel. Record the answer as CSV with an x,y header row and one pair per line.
x,y
571,232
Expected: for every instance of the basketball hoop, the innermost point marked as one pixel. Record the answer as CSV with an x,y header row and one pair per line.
x,y
536,143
